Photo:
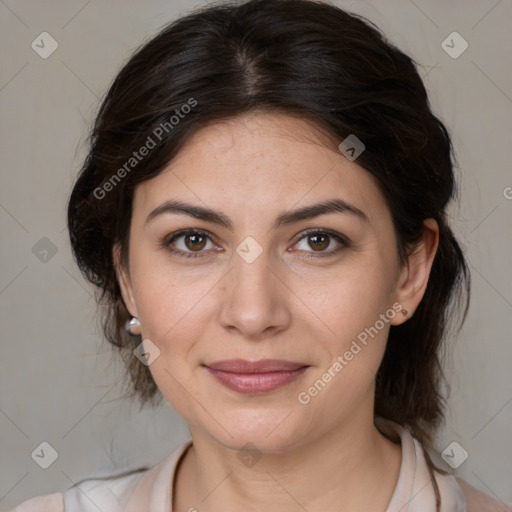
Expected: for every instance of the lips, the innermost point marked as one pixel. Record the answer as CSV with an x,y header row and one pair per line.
x,y
255,377
262,366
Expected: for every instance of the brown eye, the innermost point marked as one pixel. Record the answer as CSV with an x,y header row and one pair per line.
x,y
195,242
189,244
318,242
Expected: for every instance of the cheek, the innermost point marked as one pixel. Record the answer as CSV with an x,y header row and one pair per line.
x,y
358,319
350,298
170,301
355,308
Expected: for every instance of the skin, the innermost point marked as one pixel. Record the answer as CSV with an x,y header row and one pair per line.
x,y
326,455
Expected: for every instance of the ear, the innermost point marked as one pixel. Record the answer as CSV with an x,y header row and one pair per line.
x,y
124,280
414,275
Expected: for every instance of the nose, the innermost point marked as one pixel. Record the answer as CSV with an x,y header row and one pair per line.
x,y
255,301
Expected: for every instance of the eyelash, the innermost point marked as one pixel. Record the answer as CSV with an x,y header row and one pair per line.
x,y
343,241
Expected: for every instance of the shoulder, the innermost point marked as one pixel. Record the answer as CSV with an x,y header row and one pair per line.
x,y
417,488
48,503
133,490
477,501
92,495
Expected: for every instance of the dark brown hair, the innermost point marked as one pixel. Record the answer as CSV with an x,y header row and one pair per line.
x,y
307,59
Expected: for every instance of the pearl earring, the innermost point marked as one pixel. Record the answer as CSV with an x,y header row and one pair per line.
x,y
133,326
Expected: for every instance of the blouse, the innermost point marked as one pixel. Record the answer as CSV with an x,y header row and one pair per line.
x,y
151,490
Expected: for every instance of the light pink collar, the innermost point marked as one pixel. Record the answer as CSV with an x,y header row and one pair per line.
x,y
155,487
413,493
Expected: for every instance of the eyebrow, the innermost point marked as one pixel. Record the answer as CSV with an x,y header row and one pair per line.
x,y
283,219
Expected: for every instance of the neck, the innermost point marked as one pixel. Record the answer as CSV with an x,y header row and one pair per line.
x,y
352,467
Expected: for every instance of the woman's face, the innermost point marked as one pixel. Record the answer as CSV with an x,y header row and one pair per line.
x,y
256,284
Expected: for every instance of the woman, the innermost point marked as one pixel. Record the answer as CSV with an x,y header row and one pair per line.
x,y
263,210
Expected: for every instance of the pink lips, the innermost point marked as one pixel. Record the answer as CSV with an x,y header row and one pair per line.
x,y
257,376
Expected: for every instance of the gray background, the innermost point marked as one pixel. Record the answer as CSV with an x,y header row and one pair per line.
x,y
54,385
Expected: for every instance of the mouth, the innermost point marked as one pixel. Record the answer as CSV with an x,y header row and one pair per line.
x,y
255,377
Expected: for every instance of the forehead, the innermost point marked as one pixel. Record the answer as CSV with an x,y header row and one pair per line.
x,y
260,162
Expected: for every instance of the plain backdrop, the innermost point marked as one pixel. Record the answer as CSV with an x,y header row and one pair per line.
x,y
58,380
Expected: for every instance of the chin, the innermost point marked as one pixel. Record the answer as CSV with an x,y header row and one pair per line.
x,y
269,430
